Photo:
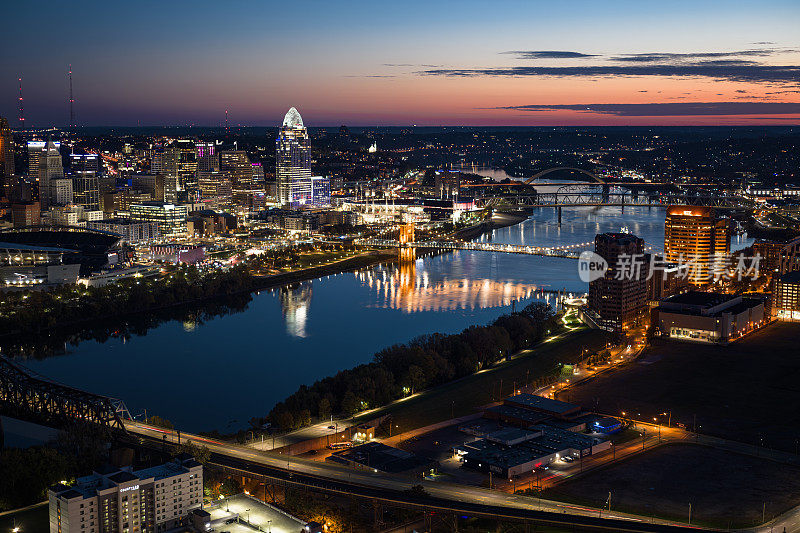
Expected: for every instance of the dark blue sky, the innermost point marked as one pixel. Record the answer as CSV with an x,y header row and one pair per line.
x,y
424,62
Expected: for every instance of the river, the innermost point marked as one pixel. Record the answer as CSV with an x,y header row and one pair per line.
x,y
219,374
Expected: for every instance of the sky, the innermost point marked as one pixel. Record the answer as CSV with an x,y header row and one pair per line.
x,y
376,63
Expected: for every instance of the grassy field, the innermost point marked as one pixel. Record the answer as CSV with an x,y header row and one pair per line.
x,y
464,396
746,391
664,481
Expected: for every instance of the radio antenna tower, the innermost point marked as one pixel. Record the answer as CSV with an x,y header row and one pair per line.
x,y
72,124
20,112
226,121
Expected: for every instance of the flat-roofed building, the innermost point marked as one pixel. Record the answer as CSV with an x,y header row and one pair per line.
x,y
786,304
540,404
149,500
619,298
708,316
171,218
26,214
131,231
699,236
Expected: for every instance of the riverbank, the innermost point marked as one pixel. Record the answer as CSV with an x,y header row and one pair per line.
x,y
499,220
239,284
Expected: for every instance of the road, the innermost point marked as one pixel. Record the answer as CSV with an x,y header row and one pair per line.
x,y
447,496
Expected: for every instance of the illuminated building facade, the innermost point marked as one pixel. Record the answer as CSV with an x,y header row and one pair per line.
x,y
708,317
50,171
787,296
238,166
171,218
312,191
146,501
207,159
619,298
293,155
697,235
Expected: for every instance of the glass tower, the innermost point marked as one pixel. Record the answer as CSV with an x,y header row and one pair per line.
x,y
293,157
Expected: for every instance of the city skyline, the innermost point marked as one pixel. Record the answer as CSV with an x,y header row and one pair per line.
x,y
515,64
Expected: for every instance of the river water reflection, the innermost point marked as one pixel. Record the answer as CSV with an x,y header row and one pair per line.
x,y
222,372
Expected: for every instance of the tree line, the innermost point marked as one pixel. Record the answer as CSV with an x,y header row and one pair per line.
x,y
28,312
424,362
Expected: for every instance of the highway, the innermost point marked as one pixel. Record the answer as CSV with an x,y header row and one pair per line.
x,y
439,495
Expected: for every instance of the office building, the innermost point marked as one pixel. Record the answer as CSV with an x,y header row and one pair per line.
x,y
166,188
617,300
146,501
164,159
786,304
131,231
25,214
699,237
121,201
35,149
214,184
7,167
86,192
187,156
49,168
708,317
85,169
293,155
312,191
238,166
207,159
84,164
171,218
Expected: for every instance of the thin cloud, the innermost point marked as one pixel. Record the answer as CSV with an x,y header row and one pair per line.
x,y
548,54
661,57
671,108
754,73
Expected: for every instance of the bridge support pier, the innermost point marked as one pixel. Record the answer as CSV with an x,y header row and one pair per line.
x,y
559,215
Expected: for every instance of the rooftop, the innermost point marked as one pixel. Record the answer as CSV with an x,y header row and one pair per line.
x,y
540,403
791,277
700,299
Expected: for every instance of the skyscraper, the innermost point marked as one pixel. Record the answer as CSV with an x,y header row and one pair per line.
x,y
238,166
699,237
293,157
51,170
6,151
619,298
207,159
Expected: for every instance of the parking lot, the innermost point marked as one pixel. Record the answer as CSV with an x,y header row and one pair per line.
x,y
262,517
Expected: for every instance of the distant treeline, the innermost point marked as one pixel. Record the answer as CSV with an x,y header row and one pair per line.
x,y
426,361
30,312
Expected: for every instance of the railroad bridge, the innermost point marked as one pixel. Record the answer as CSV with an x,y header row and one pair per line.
x,y
25,396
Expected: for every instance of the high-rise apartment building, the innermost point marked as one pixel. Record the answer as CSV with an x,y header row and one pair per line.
x,y
7,168
145,501
699,237
293,155
619,298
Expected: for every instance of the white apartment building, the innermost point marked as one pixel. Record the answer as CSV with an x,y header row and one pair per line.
x,y
150,500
